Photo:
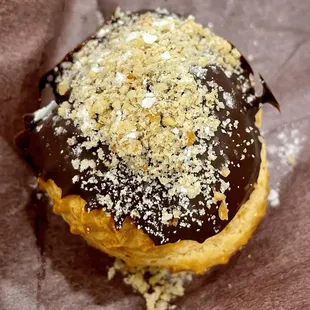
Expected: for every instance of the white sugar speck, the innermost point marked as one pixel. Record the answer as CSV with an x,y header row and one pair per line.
x,y
38,128
132,135
175,131
132,36
44,112
273,198
96,69
198,71
75,179
166,55
103,32
149,38
148,102
183,190
160,23
228,99
119,78
126,55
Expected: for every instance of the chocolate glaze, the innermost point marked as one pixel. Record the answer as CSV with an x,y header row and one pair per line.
x,y
50,156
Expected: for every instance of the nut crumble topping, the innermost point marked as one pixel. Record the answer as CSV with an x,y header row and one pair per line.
x,y
139,95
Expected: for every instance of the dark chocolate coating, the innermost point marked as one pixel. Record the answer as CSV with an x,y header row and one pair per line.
x,y
50,156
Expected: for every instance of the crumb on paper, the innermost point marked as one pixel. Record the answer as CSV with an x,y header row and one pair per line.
x,y
273,198
111,273
158,286
100,18
250,57
291,159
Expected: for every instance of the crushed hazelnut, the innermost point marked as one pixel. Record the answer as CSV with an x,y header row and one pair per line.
x,y
225,172
223,211
219,196
190,138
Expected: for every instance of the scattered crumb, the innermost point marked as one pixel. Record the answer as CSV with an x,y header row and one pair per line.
x,y
273,198
159,287
111,273
291,159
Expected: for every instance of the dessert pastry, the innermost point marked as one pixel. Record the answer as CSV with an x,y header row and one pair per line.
x,y
151,149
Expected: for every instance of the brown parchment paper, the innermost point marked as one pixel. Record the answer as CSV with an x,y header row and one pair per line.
x,y
58,270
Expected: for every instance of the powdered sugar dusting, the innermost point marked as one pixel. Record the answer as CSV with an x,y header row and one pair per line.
x,y
283,150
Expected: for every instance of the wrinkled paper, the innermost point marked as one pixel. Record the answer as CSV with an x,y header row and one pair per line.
x,y
58,270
